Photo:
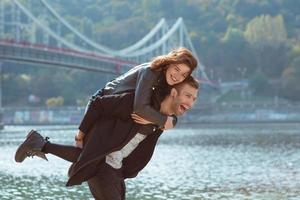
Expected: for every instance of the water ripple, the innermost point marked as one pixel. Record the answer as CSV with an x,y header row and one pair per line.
x,y
229,162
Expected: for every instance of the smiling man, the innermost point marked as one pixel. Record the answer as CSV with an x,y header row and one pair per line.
x,y
115,147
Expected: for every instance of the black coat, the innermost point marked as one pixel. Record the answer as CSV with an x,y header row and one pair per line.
x,y
112,131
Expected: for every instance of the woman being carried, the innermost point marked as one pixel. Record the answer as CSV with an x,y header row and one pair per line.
x,y
163,72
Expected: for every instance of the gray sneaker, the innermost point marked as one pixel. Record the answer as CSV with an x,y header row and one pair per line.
x,y
32,146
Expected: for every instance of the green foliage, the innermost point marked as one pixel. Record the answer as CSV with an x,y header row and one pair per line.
x,y
267,37
295,63
233,35
55,101
266,31
259,84
295,51
237,55
291,81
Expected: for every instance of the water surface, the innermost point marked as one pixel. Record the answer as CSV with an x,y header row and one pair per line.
x,y
247,161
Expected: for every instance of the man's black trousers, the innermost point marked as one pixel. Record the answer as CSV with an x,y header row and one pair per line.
x,y
107,184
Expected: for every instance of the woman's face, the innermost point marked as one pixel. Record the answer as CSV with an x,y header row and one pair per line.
x,y
176,73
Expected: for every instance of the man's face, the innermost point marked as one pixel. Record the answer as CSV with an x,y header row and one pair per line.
x,y
184,99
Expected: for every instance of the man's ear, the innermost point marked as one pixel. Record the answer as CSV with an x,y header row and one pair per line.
x,y
174,92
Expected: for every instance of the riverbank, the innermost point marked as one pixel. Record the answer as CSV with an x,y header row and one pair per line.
x,y
205,115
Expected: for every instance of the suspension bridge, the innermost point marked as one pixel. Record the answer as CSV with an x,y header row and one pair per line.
x,y
40,38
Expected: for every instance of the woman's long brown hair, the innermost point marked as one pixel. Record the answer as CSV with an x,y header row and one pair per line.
x,y
177,56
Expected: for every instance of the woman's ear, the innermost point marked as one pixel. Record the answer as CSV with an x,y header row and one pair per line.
x,y
173,92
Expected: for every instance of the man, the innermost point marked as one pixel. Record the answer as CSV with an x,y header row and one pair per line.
x,y
115,147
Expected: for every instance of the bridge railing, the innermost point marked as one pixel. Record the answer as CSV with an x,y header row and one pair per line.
x,y
18,51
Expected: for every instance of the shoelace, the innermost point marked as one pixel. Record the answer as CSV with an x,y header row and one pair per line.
x,y
32,153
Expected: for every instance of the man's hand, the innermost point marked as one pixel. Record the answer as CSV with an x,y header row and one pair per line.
x,y
139,119
169,123
79,139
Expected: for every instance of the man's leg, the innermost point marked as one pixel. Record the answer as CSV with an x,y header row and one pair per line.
x,y
107,184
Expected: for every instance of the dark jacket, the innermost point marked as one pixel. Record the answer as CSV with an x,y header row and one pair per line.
x,y
113,129
141,79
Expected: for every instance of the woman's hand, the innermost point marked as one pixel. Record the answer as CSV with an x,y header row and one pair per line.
x,y
139,119
79,139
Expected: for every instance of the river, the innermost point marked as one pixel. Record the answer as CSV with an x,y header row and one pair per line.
x,y
234,162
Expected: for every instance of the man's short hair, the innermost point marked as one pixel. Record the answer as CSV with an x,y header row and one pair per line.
x,y
190,80
162,91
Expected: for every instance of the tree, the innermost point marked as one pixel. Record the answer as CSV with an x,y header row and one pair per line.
x,y
259,84
236,53
55,101
291,81
265,31
267,36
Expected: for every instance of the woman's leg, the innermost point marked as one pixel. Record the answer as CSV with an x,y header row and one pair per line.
x,y
66,152
36,145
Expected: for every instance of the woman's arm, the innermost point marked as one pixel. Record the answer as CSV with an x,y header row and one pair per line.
x,y
142,100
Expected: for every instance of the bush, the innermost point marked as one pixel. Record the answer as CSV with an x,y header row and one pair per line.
x,y
55,101
260,84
